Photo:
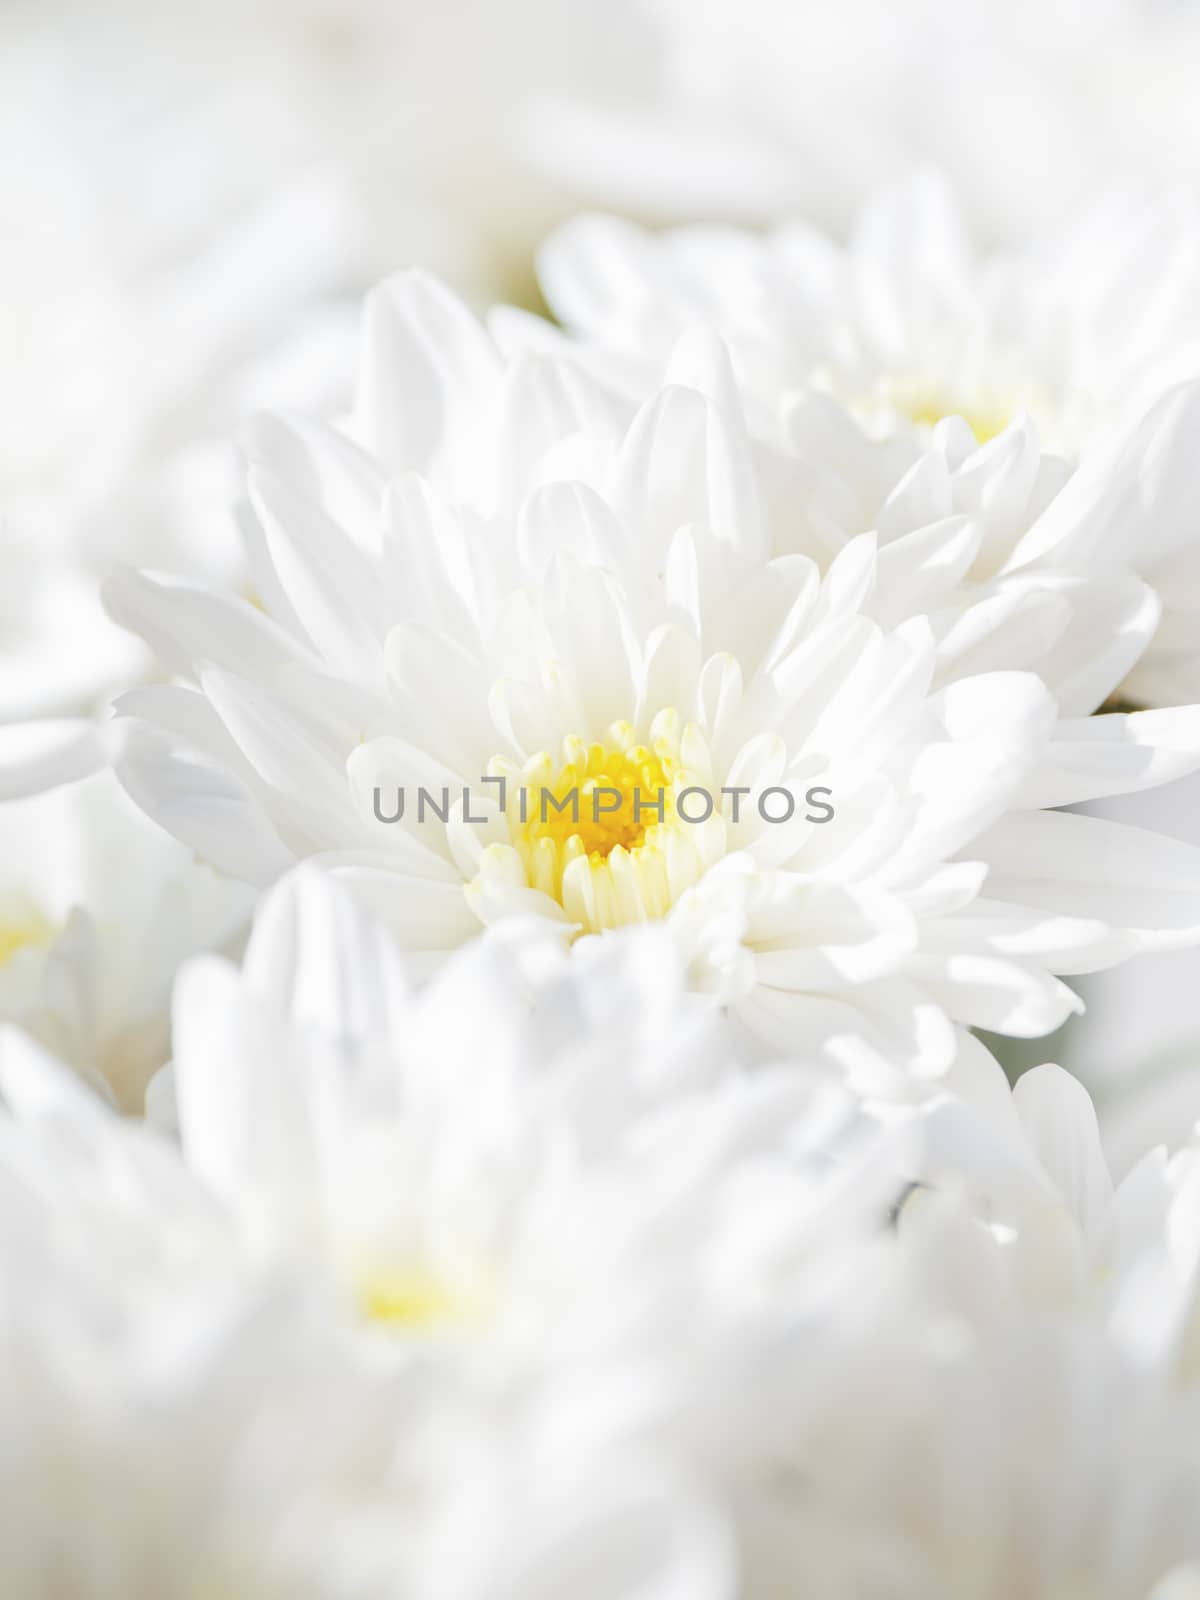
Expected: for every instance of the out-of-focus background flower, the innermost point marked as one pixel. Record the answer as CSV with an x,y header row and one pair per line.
x,y
764,108
196,195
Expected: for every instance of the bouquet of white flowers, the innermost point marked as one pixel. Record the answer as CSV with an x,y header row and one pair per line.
x,y
562,777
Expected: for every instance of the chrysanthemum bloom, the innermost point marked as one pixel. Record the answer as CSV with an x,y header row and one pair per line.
x,y
500,591
1024,1423
909,322
1093,338
431,1160
954,1443
550,1210
610,1304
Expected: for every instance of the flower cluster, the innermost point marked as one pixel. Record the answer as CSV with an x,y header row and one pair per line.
x,y
507,1013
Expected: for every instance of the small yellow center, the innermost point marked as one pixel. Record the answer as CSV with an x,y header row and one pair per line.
x,y
602,832
23,927
926,404
983,424
417,1299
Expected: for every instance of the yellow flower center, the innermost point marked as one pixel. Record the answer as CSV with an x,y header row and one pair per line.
x,y
23,927
417,1299
603,797
983,424
602,831
927,404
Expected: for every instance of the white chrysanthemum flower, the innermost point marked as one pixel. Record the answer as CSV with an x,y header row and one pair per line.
x,y
543,1190
963,1433
97,909
1030,104
435,1159
644,1291
607,617
908,325
910,322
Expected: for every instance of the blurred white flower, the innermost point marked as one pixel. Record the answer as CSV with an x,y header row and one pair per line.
x,y
435,1159
97,909
196,196
1081,329
624,1311
975,1422
623,607
970,1458
559,1220
1089,337
800,109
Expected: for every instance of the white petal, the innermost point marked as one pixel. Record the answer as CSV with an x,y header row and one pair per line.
x,y
38,756
1060,1123
1094,757
1086,867
428,372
